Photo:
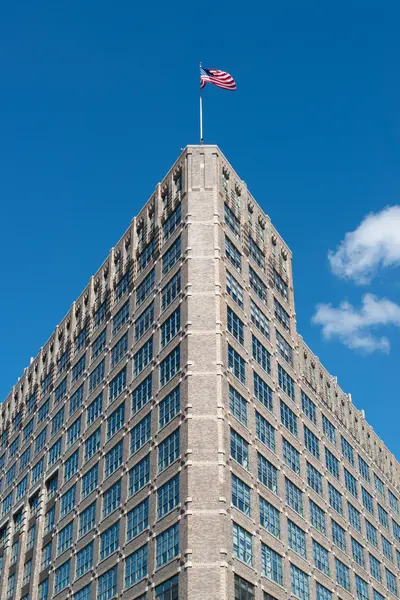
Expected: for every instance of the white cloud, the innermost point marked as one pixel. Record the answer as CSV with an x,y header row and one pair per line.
x,y
356,327
374,244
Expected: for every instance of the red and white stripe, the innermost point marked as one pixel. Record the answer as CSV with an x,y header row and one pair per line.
x,y
219,78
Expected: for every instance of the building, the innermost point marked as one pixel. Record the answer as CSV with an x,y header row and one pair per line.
x,y
175,439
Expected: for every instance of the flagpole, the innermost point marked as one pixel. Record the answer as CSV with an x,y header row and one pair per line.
x,y
201,115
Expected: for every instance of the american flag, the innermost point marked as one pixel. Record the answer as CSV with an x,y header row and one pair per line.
x,y
218,78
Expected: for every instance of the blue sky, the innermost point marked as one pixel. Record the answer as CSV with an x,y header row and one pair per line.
x,y
97,100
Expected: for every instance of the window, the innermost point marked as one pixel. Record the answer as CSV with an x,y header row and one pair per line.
x,y
235,325
118,352
347,450
43,590
24,459
37,471
71,465
396,530
371,533
286,383
299,583
322,592
64,539
281,315
138,520
96,376
68,501
335,499
115,421
73,432
284,349
28,430
109,541
265,432
242,544
291,456
140,434
294,497
167,544
263,392
391,582
14,552
317,517
43,411
342,574
236,364
7,503
167,497
257,285
46,556
57,421
321,557
243,589
139,475
361,589
87,519
135,566
314,479
111,498
84,593
99,344
170,366
367,500
144,322
375,568
169,407
240,495
354,517
259,319
394,503
256,254
146,256
94,410
288,418
76,400
40,440
10,586
261,355
141,395
281,286
122,286
379,485
168,590
364,469
270,518
171,256
170,327
311,442
350,482
117,385
234,289
113,459
387,548
297,539
90,481
338,536
62,577
78,369
21,488
92,444
267,473
239,449
175,217
107,586
119,320
168,451
358,552
170,291
271,564
309,408
383,517
233,254
49,520
332,463
60,391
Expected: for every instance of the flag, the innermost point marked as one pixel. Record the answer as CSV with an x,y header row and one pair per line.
x,y
218,78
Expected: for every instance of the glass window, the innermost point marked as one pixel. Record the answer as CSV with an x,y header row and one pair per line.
x,y
139,475
138,519
375,568
342,574
64,539
311,442
90,481
168,590
142,394
171,291
335,499
242,544
271,564
99,344
259,320
265,432
73,432
240,495
167,545
87,519
62,577
117,385
168,451
243,589
140,434
107,585
115,421
120,318
263,392
347,450
309,408
111,498
257,285
294,497
317,517
92,444
267,473
109,541
170,366
270,518
372,535
117,354
136,566
286,383
233,254
76,400
297,539
234,289
281,315
94,410
357,552
314,479
261,355
170,327
354,517
68,501
284,348
239,449
113,459
338,536
235,325
367,500
291,456
332,463
288,418
299,583
361,589
171,256
321,557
